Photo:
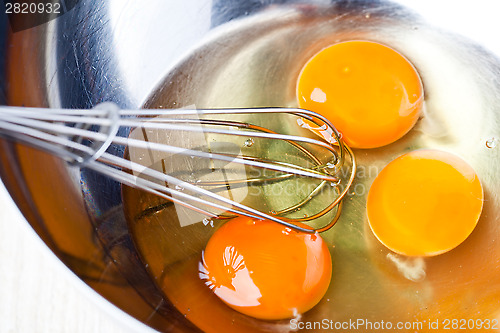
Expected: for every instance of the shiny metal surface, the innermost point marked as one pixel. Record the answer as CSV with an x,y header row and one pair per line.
x,y
241,53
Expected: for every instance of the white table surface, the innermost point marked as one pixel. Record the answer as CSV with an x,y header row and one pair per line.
x,y
39,294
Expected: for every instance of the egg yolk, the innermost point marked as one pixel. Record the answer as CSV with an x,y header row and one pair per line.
x,y
266,270
424,203
371,93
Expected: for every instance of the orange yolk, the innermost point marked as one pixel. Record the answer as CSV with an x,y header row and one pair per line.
x,y
424,203
371,93
266,270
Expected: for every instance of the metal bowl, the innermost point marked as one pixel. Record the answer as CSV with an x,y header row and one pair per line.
x,y
242,54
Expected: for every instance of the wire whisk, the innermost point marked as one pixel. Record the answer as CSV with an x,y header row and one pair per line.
x,y
204,160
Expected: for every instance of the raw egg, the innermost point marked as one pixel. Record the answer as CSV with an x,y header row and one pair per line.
x,y
370,92
424,203
265,270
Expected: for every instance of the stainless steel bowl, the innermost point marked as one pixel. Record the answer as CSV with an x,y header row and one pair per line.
x,y
248,53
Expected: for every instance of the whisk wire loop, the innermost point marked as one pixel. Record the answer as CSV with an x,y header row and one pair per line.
x,y
66,133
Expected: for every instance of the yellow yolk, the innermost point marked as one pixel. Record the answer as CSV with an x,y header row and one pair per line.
x,y
370,92
424,203
265,270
